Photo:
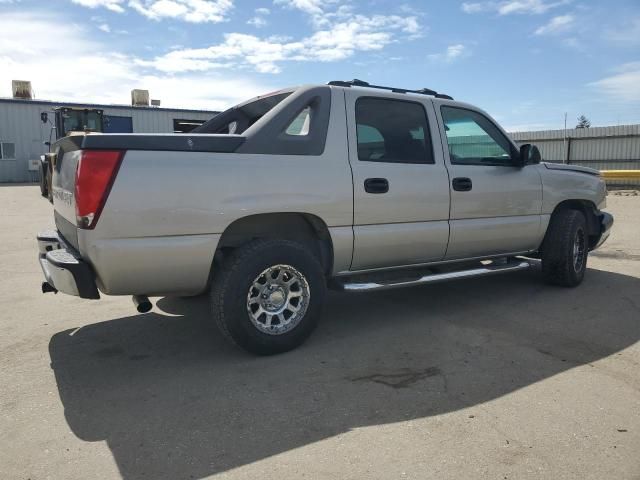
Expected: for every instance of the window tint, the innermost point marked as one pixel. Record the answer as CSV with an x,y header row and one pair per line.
x,y
7,150
392,131
473,139
300,124
370,143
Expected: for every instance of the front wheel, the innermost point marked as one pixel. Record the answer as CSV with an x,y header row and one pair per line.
x,y
267,297
565,249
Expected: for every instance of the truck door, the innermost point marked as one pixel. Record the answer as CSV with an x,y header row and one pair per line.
x,y
401,186
495,206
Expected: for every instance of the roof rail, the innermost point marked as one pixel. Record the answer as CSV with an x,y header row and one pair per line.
x,y
360,83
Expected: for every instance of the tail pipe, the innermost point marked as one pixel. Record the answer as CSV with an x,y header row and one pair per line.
x,y
142,303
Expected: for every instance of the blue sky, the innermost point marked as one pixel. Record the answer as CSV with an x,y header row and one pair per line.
x,y
525,61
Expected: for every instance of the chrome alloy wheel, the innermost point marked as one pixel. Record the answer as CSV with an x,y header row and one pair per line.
x,y
278,299
579,250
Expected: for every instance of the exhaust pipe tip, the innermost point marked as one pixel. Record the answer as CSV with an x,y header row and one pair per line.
x,y
47,287
142,303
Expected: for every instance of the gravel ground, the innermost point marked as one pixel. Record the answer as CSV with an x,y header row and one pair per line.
x,y
501,378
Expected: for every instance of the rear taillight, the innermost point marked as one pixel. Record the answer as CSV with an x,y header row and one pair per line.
x,y
94,177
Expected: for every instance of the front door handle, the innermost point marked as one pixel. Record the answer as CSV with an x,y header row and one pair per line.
x,y
376,185
461,184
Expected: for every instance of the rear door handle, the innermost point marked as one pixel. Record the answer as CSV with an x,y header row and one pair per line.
x,y
461,184
376,185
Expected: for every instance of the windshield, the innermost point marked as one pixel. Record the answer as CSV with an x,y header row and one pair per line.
x,y
81,120
73,121
237,119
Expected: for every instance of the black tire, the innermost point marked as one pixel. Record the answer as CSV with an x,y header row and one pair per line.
x,y
230,291
562,264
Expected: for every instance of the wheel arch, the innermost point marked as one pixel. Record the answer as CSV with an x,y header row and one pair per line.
x,y
590,212
304,228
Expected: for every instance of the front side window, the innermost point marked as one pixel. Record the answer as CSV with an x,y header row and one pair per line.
x,y
474,140
394,131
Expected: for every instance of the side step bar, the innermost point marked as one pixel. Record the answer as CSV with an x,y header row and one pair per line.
x,y
493,268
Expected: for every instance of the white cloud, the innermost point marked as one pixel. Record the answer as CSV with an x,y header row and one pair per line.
x,y
313,7
113,5
478,7
259,20
99,74
507,7
104,27
340,40
556,25
573,42
627,34
195,11
451,54
622,85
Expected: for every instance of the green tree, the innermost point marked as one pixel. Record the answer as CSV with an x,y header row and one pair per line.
x,y
583,122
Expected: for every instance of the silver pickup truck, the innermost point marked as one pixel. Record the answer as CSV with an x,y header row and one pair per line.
x,y
347,185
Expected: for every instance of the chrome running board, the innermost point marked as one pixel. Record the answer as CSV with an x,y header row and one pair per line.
x,y
490,269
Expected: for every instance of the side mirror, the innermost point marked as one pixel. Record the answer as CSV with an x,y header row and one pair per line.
x,y
529,155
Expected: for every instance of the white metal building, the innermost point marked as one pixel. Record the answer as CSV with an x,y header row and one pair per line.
x,y
22,132
602,148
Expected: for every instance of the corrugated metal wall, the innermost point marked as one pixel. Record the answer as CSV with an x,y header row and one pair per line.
x,y
602,148
20,124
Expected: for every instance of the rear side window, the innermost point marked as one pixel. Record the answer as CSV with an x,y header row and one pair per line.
x,y
394,131
300,124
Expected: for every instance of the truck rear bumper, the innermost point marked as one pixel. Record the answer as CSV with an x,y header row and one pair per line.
x,y
63,270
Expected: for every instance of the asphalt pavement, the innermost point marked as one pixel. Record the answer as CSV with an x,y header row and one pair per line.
x,y
502,378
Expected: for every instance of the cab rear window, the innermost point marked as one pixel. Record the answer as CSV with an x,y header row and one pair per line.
x,y
237,119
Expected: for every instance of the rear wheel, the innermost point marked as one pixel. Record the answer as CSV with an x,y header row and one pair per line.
x,y
268,295
565,249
